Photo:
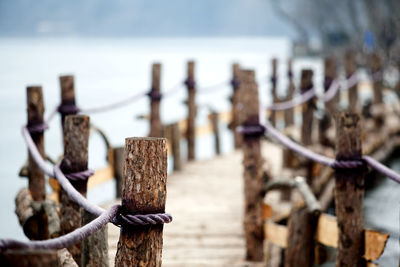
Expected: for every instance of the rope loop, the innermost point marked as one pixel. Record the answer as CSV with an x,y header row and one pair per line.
x,y
348,164
141,219
190,83
68,109
251,130
156,96
235,83
65,166
39,127
273,79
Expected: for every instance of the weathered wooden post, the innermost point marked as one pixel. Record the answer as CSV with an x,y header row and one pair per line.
x,y
155,98
252,162
191,103
37,228
234,101
176,146
289,113
330,66
376,69
68,105
213,117
308,108
349,192
76,139
145,178
301,229
350,67
274,93
118,167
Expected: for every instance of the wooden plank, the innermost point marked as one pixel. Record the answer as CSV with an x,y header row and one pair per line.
x,y
327,230
101,176
276,234
375,243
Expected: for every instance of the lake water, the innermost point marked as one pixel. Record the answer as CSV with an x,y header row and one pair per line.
x,y
108,70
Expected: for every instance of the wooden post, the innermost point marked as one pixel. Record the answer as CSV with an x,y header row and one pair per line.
x,y
118,166
155,97
215,122
377,77
234,100
191,120
67,96
350,68
76,137
252,162
176,146
145,178
301,228
274,89
349,192
308,108
289,113
37,228
95,246
330,66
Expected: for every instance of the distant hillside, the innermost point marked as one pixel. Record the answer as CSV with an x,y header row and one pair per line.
x,y
123,18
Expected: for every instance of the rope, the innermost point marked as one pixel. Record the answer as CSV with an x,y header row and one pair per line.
x,y
37,127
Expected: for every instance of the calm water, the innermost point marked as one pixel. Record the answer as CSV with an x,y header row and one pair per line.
x,y
107,70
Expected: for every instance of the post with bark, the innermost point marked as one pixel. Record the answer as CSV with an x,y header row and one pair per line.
x,y
308,107
190,130
215,123
301,228
349,192
289,113
145,178
252,162
176,146
350,67
118,167
234,101
274,90
37,226
155,98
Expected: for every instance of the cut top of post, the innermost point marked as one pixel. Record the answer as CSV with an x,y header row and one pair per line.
x,y
35,104
348,136
76,137
156,77
146,167
306,82
67,89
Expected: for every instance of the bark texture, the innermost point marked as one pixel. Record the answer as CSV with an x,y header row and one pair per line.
x,y
349,192
144,192
252,161
76,137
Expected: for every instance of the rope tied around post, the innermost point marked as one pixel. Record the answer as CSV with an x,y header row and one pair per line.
x,y
38,127
190,83
141,219
65,166
235,83
154,95
68,109
251,130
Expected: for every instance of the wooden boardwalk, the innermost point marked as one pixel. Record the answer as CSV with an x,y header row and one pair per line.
x,y
206,201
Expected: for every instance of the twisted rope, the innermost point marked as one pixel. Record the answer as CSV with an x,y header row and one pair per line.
x,y
37,127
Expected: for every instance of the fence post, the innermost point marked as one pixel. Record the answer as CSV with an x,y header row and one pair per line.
x,y
155,98
176,146
377,77
76,137
118,167
350,68
191,120
252,162
308,108
68,105
234,101
215,123
145,177
301,228
274,93
349,192
37,229
289,113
